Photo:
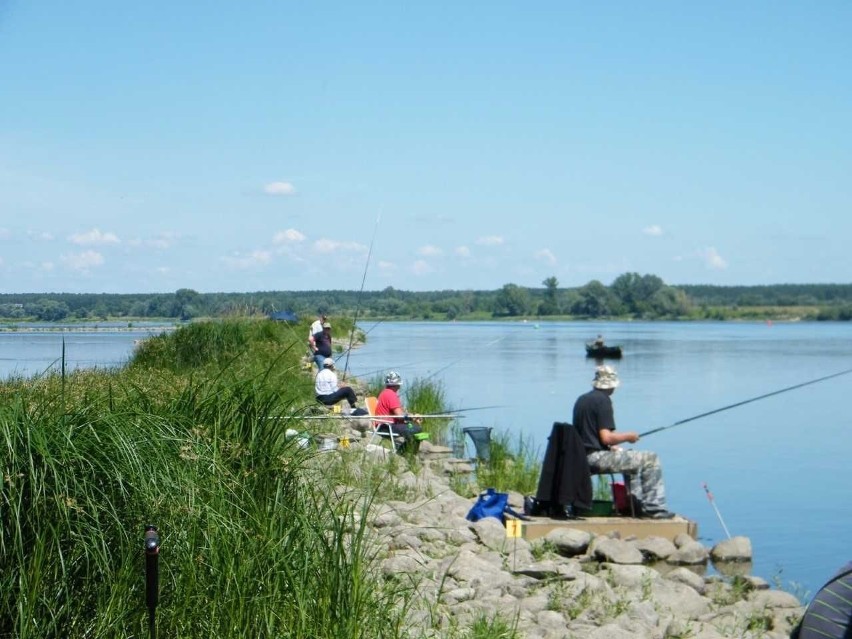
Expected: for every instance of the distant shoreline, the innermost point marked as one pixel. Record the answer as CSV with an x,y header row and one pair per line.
x,y
87,329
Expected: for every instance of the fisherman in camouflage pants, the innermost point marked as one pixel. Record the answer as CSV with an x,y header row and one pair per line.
x,y
595,421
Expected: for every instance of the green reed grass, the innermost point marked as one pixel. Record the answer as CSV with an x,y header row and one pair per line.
x,y
190,438
513,465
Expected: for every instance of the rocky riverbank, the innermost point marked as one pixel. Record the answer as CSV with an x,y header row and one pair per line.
x,y
566,584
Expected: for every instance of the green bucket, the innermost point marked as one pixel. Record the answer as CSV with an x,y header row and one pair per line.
x,y
601,508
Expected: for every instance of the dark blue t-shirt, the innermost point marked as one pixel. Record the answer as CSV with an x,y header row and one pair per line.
x,y
593,412
323,343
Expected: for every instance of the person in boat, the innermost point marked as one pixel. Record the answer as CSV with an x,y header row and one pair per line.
x,y
321,345
389,404
328,390
599,342
595,421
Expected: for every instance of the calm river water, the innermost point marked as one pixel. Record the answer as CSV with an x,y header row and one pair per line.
x,y
778,467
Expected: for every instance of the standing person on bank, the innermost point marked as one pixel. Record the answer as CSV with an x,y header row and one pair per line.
x,y
328,391
321,345
316,327
594,419
388,403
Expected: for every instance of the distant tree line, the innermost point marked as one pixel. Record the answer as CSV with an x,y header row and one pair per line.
x,y
630,295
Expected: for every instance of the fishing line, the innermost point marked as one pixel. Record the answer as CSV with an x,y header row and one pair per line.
x,y
456,361
746,401
718,514
358,301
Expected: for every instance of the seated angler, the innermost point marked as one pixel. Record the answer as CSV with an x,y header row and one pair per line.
x,y
595,421
328,391
389,404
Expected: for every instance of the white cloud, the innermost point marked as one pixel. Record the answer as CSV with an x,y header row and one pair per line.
x,y
95,236
163,240
279,188
82,262
462,251
46,266
490,240
5,234
290,235
41,236
241,262
325,245
546,255
421,267
712,259
654,230
386,266
429,251
163,270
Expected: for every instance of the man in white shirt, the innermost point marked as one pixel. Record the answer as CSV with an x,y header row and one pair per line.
x,y
327,390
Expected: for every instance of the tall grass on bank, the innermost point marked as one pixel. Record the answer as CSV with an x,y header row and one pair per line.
x,y
184,438
513,465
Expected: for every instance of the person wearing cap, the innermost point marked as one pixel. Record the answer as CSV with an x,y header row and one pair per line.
x,y
321,345
328,391
316,327
388,403
595,421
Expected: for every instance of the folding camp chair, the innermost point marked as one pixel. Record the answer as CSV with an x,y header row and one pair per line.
x,y
381,428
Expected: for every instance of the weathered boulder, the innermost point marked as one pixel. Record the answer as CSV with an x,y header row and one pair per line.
x,y
616,551
654,548
733,549
688,553
568,541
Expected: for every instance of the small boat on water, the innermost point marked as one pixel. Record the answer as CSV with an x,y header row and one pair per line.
x,y
602,351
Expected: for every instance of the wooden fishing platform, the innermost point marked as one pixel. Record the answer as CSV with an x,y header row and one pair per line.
x,y
624,526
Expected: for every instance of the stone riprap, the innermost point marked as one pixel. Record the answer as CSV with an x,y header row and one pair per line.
x,y
566,584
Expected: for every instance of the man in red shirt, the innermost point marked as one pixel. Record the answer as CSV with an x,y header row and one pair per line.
x,y
389,404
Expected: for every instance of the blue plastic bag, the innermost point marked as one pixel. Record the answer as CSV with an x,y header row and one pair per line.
x,y
490,504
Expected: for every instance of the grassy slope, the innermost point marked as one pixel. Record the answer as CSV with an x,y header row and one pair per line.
x,y
189,437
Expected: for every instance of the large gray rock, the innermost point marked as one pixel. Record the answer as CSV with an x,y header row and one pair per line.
x,y
630,576
689,553
734,549
616,551
686,576
679,599
491,533
654,548
550,570
568,541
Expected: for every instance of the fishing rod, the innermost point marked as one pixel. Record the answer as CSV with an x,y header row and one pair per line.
x,y
746,401
464,410
718,514
448,414
358,301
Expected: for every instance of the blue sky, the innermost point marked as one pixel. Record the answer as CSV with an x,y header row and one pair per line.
x,y
219,146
